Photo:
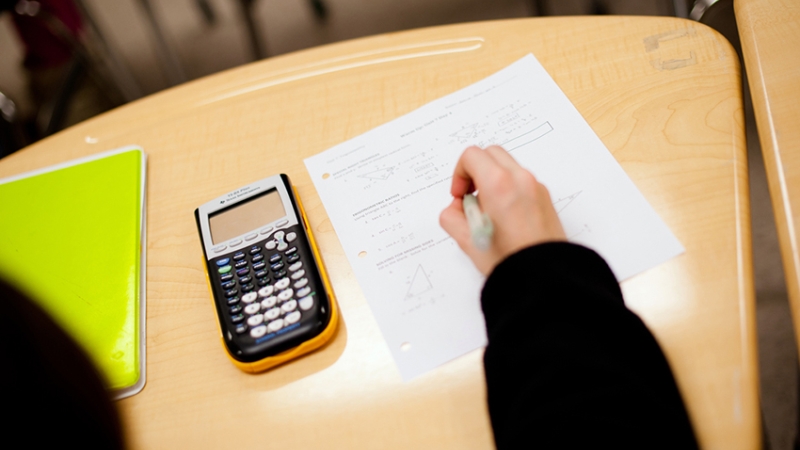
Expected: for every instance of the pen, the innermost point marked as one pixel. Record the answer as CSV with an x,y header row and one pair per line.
x,y
480,225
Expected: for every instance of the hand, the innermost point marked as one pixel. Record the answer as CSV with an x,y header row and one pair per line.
x,y
519,206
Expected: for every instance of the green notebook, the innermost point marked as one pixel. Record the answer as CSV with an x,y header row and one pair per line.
x,y
72,237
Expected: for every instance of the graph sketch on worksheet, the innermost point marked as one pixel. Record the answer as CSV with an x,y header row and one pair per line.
x,y
384,190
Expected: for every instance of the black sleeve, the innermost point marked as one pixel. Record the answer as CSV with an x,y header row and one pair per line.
x,y
568,365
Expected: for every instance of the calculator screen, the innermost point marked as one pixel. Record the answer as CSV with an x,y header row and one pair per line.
x,y
246,216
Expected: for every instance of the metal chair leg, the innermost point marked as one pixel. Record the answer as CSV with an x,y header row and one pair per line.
x,y
252,30
169,58
207,11
320,9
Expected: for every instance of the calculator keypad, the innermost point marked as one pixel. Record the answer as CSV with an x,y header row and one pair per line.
x,y
266,287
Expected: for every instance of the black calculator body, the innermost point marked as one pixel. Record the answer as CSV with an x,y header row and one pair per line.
x,y
272,296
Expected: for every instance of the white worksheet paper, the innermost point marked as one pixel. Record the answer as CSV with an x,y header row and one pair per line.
x,y
384,190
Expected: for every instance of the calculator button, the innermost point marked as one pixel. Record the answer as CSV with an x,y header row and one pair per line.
x,y
281,223
272,314
265,230
289,306
240,264
282,246
292,317
243,271
279,275
245,279
270,245
238,256
224,269
235,242
274,258
226,277
247,287
241,328
303,292
258,258
285,295
265,291
231,292
269,302
262,273
276,267
291,236
275,325
255,249
223,262
306,303
283,283
263,281
301,283
293,258
296,266
291,251
259,265
250,237
250,297
229,285
219,248
256,320
297,275
237,318
252,308
236,309
258,332
233,300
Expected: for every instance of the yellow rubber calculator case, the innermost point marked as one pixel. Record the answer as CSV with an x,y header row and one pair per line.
x,y
272,296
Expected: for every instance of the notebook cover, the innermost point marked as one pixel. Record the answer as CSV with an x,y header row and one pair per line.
x,y
71,237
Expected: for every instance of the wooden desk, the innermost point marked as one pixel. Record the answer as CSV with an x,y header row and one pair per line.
x,y
663,94
770,35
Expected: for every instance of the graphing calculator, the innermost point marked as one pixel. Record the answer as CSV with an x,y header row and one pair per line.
x,y
270,290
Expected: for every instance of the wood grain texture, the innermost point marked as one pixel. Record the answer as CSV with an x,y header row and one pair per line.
x,y
663,95
770,34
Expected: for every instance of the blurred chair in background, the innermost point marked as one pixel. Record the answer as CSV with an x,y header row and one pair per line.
x,y
70,72
12,137
719,14
320,12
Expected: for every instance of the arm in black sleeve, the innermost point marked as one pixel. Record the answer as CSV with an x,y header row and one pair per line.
x,y
567,364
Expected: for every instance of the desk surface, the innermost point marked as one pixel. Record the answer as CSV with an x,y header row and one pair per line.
x,y
770,34
663,95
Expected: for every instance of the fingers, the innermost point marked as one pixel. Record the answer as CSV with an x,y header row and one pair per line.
x,y
517,203
462,175
454,222
476,167
502,157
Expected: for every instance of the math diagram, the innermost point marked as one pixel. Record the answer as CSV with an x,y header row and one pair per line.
x,y
421,290
562,203
420,283
379,174
469,133
511,126
582,232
